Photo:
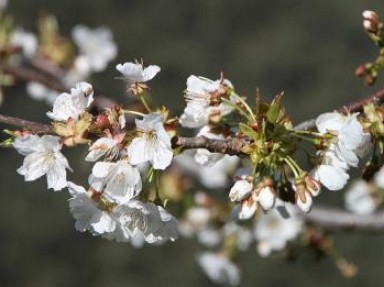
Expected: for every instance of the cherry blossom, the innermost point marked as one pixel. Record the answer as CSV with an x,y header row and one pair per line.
x,y
219,268
135,73
96,46
42,157
359,198
154,144
272,231
118,181
72,105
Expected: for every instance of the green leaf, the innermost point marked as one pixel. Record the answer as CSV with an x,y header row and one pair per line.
x,y
274,108
247,130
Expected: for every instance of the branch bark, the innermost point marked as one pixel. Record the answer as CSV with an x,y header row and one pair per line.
x,y
32,126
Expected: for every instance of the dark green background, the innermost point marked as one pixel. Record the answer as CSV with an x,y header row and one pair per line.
x,y
309,49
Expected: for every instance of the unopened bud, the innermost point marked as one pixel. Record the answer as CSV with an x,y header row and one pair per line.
x,y
371,26
360,71
267,197
102,122
369,79
248,208
370,15
240,190
313,186
303,199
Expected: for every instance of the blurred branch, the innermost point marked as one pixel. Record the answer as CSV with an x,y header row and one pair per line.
x,y
336,219
50,77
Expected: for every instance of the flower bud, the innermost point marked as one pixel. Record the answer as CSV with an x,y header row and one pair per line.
x,y
312,185
360,71
102,122
266,197
369,79
240,190
370,15
303,200
248,208
370,26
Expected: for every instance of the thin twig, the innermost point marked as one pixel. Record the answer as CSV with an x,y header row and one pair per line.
x,y
356,106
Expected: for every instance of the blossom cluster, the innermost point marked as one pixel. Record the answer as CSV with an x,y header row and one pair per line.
x,y
126,200
259,189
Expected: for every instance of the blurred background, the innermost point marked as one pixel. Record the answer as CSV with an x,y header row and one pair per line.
x,y
309,49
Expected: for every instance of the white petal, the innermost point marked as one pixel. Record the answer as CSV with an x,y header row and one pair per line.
x,y
240,190
139,151
266,198
331,177
150,72
248,208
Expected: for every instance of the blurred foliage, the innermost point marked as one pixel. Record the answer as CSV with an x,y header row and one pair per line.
x,y
309,49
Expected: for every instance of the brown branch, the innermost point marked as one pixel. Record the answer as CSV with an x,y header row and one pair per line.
x,y
32,126
31,75
327,217
231,146
336,219
356,106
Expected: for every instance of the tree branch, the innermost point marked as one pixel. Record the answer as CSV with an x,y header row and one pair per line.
x,y
335,219
231,146
46,75
356,106
327,217
32,126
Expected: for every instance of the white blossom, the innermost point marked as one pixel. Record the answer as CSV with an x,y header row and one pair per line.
x,y
332,172
244,236
26,41
87,213
196,219
72,105
219,268
196,114
147,222
154,144
201,88
204,156
272,231
348,133
135,73
343,150
96,46
359,198
198,95
241,190
40,92
102,146
221,169
118,181
42,156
